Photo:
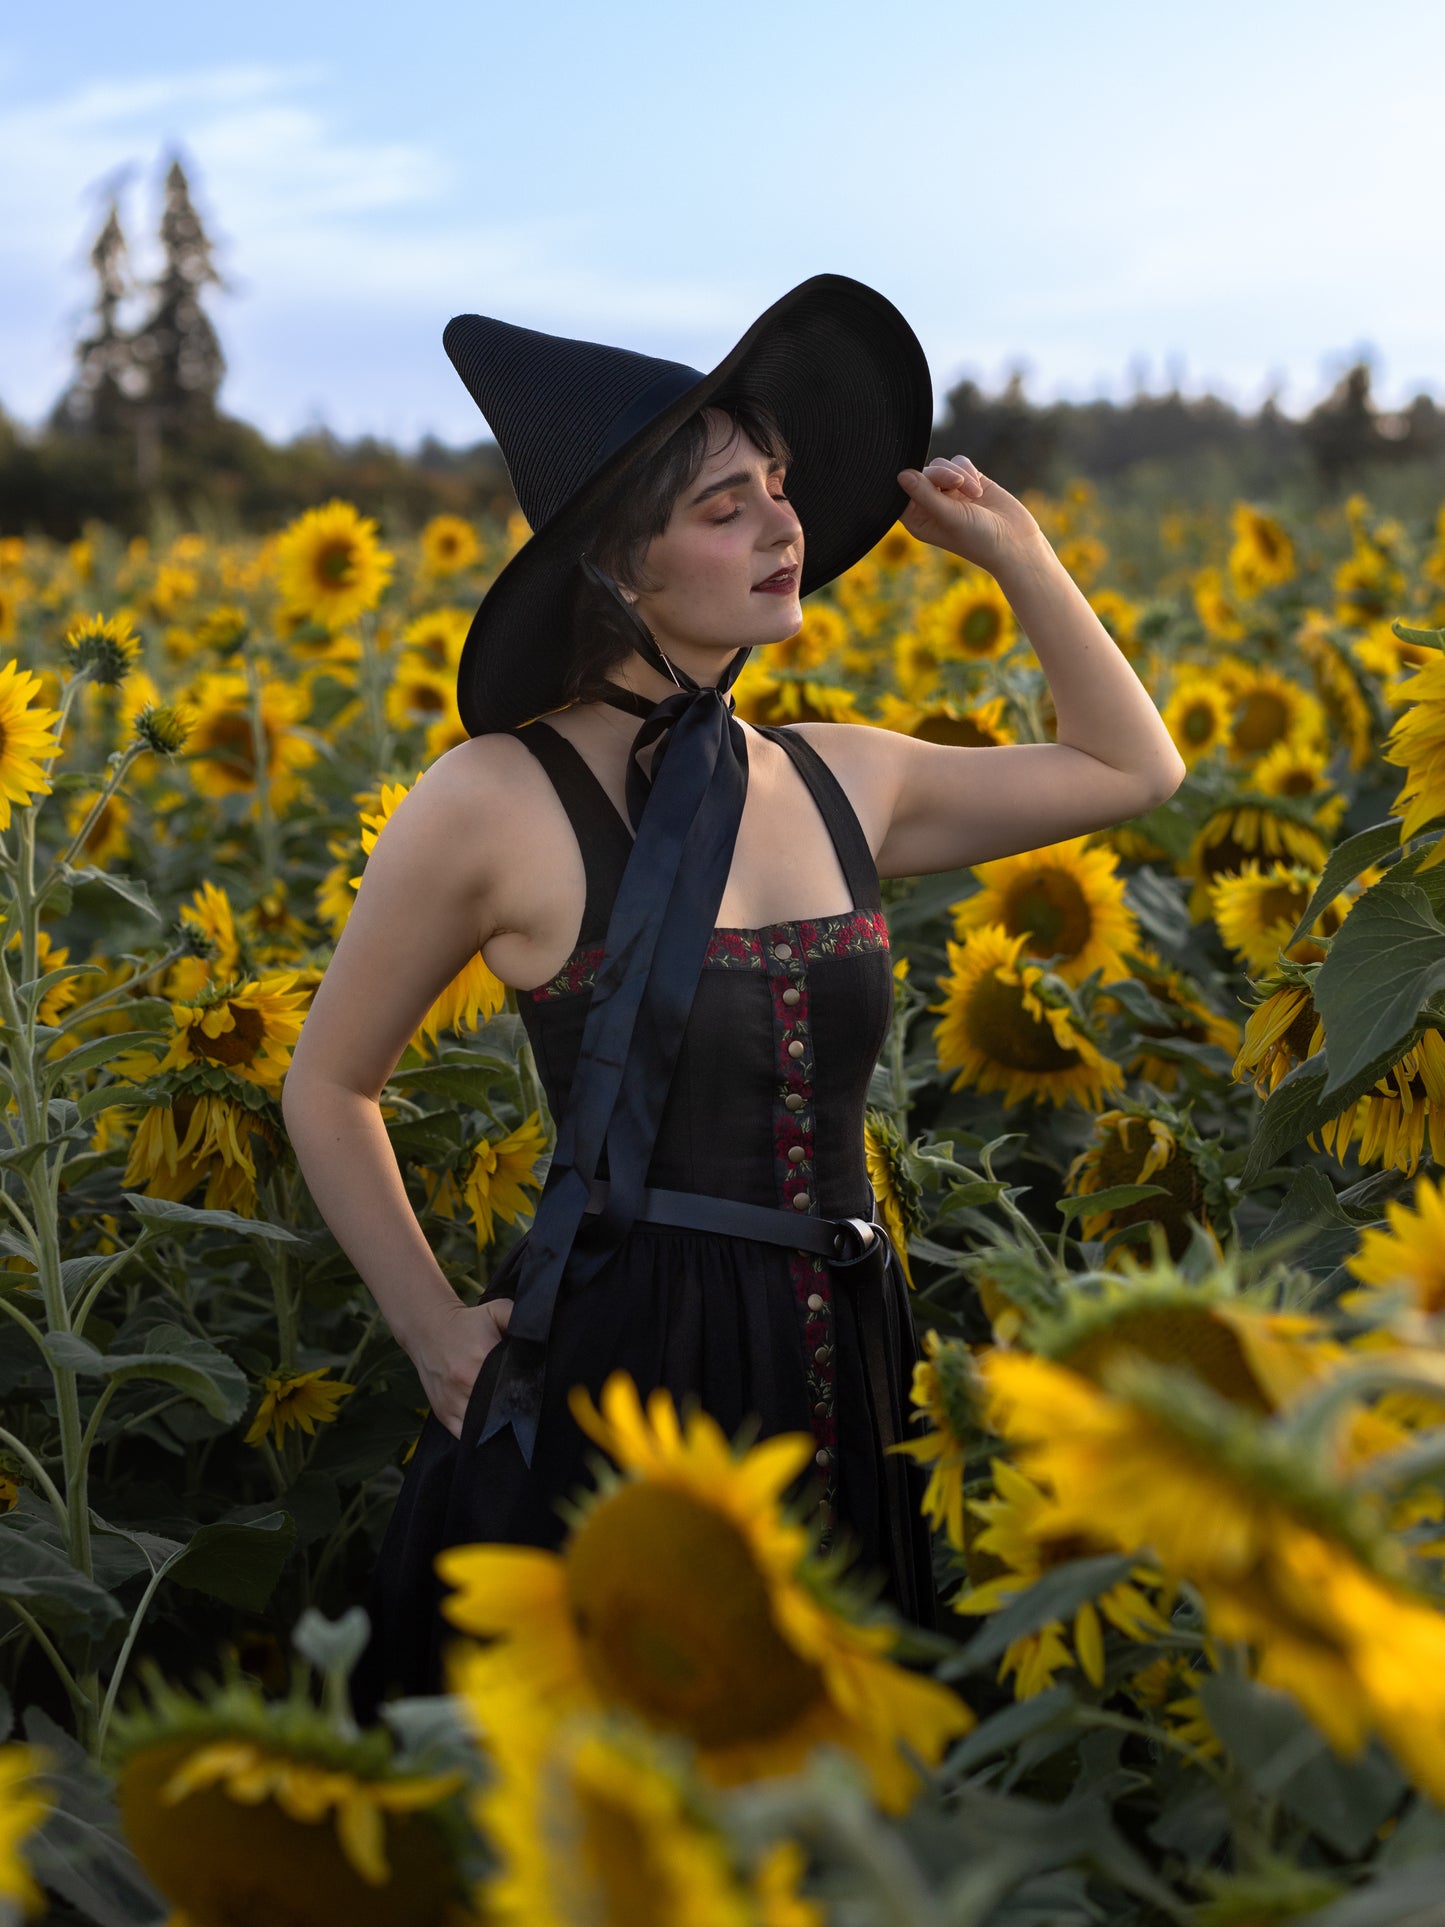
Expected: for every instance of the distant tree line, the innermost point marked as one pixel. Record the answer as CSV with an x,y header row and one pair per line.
x,y
139,428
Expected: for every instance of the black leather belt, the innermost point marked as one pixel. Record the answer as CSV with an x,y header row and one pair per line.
x,y
836,1239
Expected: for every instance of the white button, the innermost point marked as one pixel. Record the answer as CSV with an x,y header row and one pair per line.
x,y
782,951
792,995
797,1047
801,1201
815,1302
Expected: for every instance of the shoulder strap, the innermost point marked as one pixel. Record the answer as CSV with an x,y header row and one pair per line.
x,y
838,813
602,836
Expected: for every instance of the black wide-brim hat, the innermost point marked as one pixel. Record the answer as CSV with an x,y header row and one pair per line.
x,y
836,363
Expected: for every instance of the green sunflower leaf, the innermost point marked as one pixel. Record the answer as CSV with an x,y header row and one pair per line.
x,y
164,1214
1113,1199
1386,963
172,1355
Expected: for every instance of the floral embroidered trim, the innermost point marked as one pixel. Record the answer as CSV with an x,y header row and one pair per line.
x,y
737,949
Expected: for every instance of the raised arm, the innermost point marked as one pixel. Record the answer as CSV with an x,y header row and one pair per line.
x,y
947,806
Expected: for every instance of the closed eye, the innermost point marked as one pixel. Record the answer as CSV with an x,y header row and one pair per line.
x,y
719,520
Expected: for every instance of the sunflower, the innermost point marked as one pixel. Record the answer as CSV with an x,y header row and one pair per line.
x,y
246,1028
1083,556
943,721
1213,607
299,1399
1298,770
1407,1256
824,634
1283,1029
330,567
1002,1029
1189,1018
1197,717
1021,1534
448,545
417,693
476,993
1269,709
1119,616
764,698
1282,1560
24,1803
201,1137
598,1819
500,1171
107,646
1234,834
49,956
242,1808
1400,1114
1256,909
686,1596
27,735
1065,900
972,621
1337,685
944,1391
1367,585
1139,1150
435,639
1262,556
898,1193
221,747
1417,744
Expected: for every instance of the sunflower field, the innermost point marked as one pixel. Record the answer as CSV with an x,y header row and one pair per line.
x,y
1159,1133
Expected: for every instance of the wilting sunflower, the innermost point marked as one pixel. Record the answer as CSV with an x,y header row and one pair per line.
x,y
1234,833
1189,1018
1417,744
1257,908
448,545
1139,1150
24,1803
202,1137
597,1819
1337,685
1283,1029
1269,709
221,747
970,622
1406,1258
27,735
329,565
1021,1534
1282,1558
944,1390
1263,554
1066,901
1402,1112
1197,717
1001,1028
499,1174
299,1399
475,993
686,1596
244,1809
898,1192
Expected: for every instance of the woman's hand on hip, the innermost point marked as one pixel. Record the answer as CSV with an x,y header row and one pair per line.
x,y
450,1357
956,508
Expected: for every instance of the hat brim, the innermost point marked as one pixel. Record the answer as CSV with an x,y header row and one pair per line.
x,y
848,382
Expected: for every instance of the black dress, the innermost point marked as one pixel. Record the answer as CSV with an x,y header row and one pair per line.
x,y
766,1105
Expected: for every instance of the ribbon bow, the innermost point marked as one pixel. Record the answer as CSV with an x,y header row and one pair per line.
x,y
686,816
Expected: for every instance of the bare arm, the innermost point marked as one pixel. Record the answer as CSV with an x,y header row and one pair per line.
x,y
420,914
947,806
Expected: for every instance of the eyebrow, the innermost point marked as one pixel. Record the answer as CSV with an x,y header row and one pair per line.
x,y
739,480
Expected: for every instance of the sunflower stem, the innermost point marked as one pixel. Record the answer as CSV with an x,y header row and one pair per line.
x,y
260,761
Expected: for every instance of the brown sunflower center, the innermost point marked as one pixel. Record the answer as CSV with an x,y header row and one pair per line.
x,y
997,1024
1183,1336
961,730
239,1045
675,1619
334,563
1052,909
1199,723
979,629
1121,1161
1297,782
1281,903
1261,719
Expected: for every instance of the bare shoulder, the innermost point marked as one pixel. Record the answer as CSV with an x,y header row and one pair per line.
x,y
865,760
463,812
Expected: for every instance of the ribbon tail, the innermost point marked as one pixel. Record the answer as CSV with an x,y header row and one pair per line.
x,y
516,1398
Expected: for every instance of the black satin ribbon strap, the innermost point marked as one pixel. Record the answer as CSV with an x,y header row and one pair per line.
x,y
686,815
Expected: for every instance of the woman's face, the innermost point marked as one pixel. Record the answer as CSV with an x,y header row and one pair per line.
x,y
732,527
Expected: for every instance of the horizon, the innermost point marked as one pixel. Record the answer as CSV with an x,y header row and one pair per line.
x,y
994,191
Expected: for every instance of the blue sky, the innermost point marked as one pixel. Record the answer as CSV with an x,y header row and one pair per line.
x,y
1238,196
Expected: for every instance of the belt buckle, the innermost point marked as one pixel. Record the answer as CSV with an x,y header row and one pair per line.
x,y
856,1227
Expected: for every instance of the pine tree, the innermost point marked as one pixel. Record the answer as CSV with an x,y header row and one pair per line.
x,y
102,395
176,345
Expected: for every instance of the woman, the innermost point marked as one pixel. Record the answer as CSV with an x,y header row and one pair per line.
x,y
690,917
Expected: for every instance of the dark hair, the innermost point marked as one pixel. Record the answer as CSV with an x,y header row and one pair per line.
x,y
602,636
